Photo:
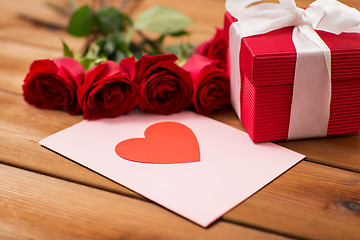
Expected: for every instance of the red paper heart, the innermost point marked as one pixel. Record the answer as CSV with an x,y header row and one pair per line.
x,y
164,143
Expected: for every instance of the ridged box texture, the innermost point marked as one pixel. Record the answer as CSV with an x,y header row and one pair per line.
x,y
267,67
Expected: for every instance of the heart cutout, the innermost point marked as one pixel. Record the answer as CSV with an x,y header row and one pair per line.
x,y
164,143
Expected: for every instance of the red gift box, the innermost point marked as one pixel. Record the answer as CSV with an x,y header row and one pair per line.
x,y
267,76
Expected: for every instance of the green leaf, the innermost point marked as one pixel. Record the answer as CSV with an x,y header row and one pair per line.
x,y
87,63
135,50
114,46
90,62
109,19
175,49
108,46
82,22
160,39
118,56
162,20
66,50
93,51
120,42
128,35
180,33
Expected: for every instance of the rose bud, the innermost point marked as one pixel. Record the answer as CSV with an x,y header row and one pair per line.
x,y
108,90
215,48
52,84
211,84
165,87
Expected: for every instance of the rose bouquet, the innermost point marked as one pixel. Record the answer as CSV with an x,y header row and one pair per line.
x,y
116,74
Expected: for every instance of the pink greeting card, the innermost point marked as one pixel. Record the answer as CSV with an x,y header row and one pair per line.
x,y
176,160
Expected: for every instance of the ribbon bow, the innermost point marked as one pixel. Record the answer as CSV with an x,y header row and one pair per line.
x,y
310,108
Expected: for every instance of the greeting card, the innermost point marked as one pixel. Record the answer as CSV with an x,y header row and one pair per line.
x,y
176,160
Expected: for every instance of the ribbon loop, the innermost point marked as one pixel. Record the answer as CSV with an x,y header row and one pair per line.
x,y
313,16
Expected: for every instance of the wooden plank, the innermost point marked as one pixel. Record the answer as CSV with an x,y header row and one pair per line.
x,y
15,62
23,126
16,57
10,11
312,191
29,36
16,29
309,201
341,152
39,207
20,134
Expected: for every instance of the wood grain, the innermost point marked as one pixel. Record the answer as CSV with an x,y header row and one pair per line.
x,y
32,36
20,147
17,57
39,207
23,126
15,62
341,152
15,119
309,201
10,11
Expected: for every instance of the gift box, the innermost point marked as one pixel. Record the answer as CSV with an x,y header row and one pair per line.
x,y
267,68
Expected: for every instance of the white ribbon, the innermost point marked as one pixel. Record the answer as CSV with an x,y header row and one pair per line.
x,y
310,108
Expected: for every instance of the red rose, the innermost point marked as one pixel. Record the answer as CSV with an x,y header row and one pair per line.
x,y
109,90
53,84
211,84
165,87
215,48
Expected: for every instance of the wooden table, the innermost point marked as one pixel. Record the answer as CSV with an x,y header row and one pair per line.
x,y
45,196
